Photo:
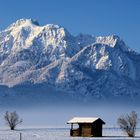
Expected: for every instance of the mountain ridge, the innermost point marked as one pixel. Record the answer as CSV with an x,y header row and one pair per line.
x,y
88,66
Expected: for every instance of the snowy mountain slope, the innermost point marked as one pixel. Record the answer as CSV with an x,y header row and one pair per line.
x,y
82,65
98,70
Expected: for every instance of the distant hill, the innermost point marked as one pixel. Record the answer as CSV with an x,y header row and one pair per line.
x,y
83,66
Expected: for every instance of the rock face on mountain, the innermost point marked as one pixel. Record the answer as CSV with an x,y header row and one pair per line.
x,y
83,65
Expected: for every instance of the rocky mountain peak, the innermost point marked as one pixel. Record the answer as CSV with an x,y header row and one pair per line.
x,y
88,65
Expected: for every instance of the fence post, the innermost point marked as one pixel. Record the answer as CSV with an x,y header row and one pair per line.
x,y
20,136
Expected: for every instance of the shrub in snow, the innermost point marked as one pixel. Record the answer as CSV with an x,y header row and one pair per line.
x,y
128,123
12,119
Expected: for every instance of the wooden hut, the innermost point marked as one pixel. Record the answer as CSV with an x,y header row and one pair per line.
x,y
87,127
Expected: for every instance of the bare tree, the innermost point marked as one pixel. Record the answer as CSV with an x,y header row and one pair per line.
x,y
128,123
12,119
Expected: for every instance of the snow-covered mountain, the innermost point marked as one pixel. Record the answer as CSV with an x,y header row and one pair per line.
x,y
83,65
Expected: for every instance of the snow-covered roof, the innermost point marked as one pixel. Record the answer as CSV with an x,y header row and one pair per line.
x,y
84,120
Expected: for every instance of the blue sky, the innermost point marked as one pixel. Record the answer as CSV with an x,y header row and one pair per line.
x,y
96,17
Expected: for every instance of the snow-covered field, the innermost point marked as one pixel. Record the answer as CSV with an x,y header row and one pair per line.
x,y
60,134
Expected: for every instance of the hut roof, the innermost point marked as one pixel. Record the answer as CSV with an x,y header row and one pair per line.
x,y
76,120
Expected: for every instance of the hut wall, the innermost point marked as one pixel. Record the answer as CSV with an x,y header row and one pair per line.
x,y
97,130
74,133
86,130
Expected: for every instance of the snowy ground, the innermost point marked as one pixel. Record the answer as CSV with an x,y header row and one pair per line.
x,y
60,134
